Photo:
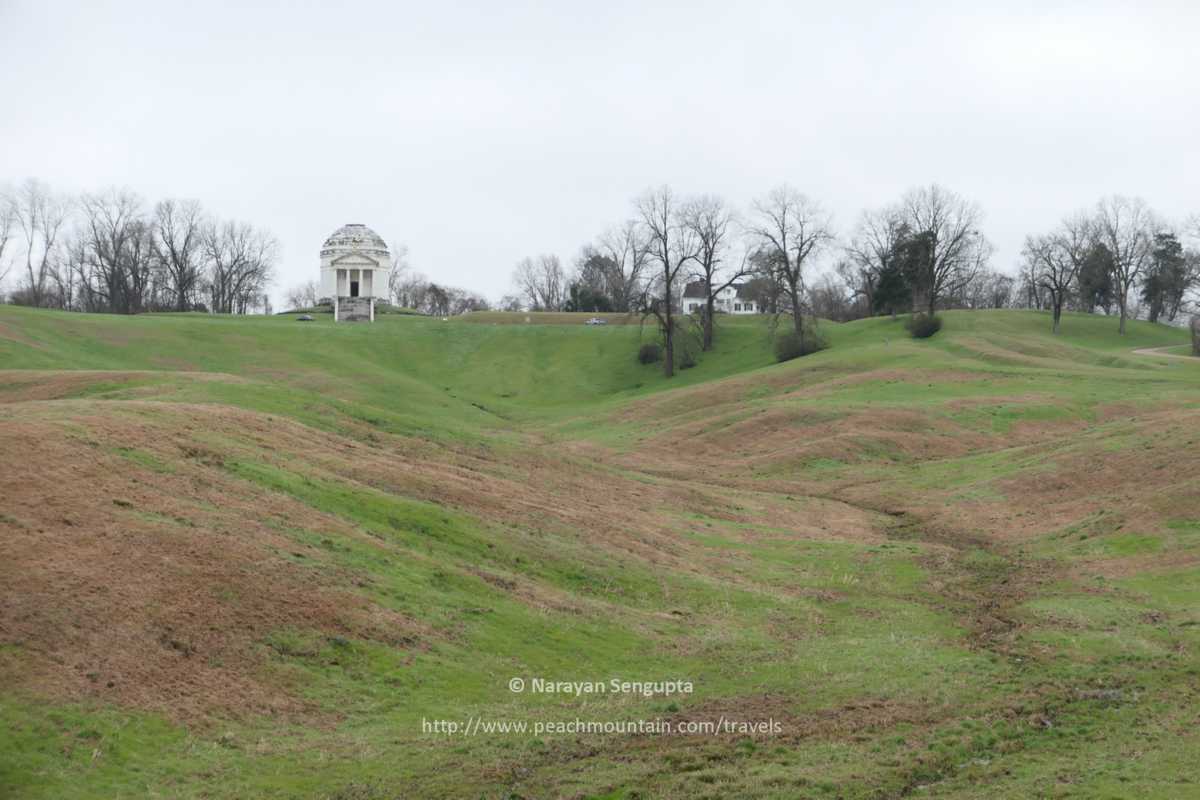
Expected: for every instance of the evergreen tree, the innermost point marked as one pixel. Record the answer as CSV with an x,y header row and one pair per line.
x,y
1095,280
1167,279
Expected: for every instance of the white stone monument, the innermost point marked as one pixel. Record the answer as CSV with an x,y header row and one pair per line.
x,y
354,271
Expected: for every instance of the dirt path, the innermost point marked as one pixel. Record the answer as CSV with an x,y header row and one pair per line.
x,y
1160,351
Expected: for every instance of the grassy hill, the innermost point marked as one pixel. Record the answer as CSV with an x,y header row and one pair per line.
x,y
256,557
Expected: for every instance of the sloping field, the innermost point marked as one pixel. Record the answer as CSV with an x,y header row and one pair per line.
x,y
256,558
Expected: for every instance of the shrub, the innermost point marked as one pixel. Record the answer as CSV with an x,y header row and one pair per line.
x,y
791,345
922,326
687,360
650,353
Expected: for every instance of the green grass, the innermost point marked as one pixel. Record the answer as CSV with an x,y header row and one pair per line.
x,y
815,541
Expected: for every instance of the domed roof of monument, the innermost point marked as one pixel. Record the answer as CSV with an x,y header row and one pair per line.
x,y
354,238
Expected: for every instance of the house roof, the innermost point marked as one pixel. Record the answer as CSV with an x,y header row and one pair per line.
x,y
695,289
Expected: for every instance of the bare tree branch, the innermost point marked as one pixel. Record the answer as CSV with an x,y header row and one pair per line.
x,y
8,227
957,248
791,229
628,251
178,229
1054,260
710,220
542,281
672,246
41,214
241,262
1126,226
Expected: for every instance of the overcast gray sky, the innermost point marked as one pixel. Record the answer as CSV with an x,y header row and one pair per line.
x,y
478,133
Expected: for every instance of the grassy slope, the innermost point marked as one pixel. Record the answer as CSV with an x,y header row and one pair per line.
x,y
517,369
967,565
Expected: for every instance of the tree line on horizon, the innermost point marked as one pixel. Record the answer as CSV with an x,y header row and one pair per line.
x,y
923,253
112,252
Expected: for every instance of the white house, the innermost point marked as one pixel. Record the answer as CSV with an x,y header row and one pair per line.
x,y
733,299
354,271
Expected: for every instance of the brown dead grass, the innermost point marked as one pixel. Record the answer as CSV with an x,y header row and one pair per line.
x,y
771,449
156,590
796,380
1148,483
1133,474
1130,566
25,385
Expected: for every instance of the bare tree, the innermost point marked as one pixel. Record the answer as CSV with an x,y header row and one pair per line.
x,y
870,252
306,295
509,302
627,251
953,248
1192,231
791,229
241,262
542,281
763,286
1054,260
463,301
554,282
140,266
178,235
1188,299
40,213
399,275
1126,227
409,290
672,246
8,228
418,287
990,289
832,298
117,258
708,219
